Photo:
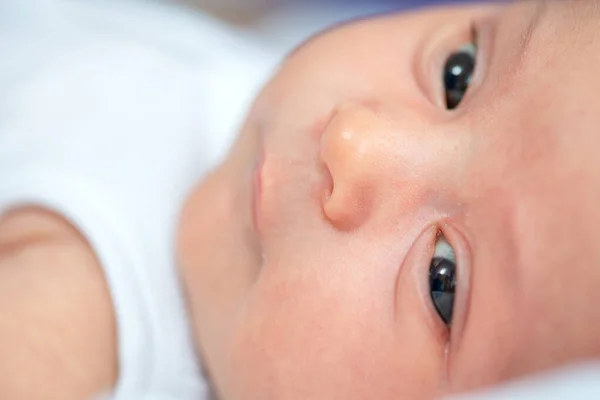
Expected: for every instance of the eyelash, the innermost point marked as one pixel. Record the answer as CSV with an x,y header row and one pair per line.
x,y
475,39
474,34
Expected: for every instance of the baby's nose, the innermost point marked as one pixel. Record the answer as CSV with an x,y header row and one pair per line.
x,y
373,159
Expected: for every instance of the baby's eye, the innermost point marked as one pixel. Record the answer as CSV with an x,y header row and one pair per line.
x,y
442,279
458,72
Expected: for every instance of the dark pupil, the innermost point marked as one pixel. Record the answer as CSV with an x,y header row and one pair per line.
x,y
442,281
457,77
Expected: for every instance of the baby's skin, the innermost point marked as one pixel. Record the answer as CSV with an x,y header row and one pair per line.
x,y
410,211
310,256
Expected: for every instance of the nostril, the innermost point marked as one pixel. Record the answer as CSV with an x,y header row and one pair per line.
x,y
347,210
327,183
347,201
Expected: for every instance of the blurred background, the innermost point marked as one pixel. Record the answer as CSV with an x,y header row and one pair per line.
x,y
283,24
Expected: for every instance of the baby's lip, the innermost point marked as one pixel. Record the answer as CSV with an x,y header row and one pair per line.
x,y
257,190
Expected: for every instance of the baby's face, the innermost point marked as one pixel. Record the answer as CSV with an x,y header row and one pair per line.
x,y
310,256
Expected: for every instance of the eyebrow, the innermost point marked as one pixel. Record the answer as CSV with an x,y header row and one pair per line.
x,y
540,9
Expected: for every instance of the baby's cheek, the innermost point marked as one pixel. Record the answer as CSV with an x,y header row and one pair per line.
x,y
300,338
422,349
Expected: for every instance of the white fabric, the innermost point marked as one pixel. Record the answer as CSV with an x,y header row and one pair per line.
x,y
109,113
581,382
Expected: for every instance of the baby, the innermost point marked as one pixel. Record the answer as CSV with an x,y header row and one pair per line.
x,y
424,215
409,211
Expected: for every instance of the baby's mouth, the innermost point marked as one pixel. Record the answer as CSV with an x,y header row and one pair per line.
x,y
256,194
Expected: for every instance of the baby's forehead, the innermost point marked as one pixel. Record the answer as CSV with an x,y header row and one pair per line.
x,y
541,178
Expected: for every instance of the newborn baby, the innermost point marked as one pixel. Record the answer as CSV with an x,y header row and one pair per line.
x,y
409,211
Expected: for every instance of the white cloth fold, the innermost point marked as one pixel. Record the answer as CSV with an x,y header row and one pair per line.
x,y
110,113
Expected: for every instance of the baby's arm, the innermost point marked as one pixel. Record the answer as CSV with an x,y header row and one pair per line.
x,y
57,328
